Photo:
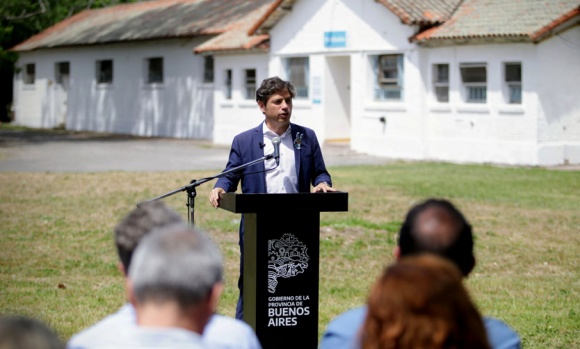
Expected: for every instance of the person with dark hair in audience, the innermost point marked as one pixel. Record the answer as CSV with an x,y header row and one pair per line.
x,y
420,302
299,165
21,332
438,227
128,234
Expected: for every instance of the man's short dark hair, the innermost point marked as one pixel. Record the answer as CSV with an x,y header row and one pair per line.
x,y
438,227
272,85
138,223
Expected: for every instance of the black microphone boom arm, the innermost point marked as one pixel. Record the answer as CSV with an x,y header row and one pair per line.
x,y
190,188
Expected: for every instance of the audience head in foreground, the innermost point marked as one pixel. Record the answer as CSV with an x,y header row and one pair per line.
x,y
20,332
175,278
438,227
137,224
420,302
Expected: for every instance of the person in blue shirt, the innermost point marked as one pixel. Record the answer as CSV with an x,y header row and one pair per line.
x,y
421,302
433,226
128,234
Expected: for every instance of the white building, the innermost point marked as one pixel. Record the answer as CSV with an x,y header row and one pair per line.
x,y
464,81
128,68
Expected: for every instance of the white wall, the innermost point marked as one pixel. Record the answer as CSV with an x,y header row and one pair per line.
x,y
421,128
179,107
558,92
369,27
495,131
31,101
239,113
400,135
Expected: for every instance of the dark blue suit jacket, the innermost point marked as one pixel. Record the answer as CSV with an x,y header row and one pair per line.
x,y
247,146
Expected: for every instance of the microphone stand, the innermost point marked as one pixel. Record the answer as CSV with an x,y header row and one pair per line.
x,y
190,188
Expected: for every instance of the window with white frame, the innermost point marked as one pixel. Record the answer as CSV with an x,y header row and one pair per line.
x,y
208,69
29,73
474,79
105,71
62,73
513,81
250,83
155,70
441,82
389,77
297,70
228,84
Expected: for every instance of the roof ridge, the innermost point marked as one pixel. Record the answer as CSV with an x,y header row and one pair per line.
x,y
452,13
264,17
543,31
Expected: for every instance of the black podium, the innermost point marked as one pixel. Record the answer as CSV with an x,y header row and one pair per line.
x,y
281,257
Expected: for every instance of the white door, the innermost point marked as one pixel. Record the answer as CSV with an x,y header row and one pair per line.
x,y
337,98
62,78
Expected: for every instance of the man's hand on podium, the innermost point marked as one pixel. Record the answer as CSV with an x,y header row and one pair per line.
x,y
214,196
323,187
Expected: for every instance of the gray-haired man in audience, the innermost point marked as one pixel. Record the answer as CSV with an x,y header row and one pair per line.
x,y
174,283
128,234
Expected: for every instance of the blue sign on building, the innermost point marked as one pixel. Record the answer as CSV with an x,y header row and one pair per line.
x,y
334,39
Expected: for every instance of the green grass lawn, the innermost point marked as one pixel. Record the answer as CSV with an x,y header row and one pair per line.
x,y
58,262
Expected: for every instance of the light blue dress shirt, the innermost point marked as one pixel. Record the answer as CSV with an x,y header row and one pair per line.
x,y
221,332
342,332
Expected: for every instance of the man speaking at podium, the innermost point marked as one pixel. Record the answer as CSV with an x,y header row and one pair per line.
x,y
296,164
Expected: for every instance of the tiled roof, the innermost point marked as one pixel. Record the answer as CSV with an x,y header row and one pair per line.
x,y
511,20
244,24
234,40
276,11
238,37
151,20
422,11
409,11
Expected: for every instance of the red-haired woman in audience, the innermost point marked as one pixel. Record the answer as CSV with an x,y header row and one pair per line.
x,y
420,303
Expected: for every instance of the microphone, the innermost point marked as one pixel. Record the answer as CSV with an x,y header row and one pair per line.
x,y
276,143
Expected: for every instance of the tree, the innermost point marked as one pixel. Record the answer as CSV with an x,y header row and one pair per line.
x,y
21,19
